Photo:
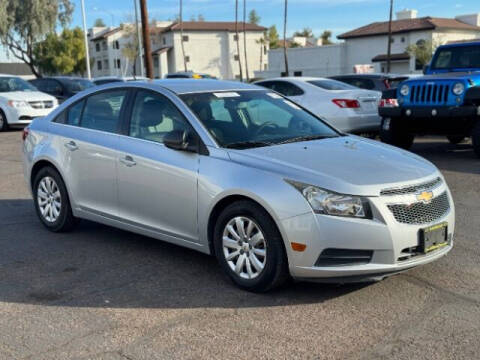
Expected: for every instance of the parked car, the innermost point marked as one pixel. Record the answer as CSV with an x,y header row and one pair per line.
x,y
377,82
345,107
240,172
188,75
21,102
112,79
62,87
445,101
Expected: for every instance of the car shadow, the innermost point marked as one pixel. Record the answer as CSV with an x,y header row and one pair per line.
x,y
100,266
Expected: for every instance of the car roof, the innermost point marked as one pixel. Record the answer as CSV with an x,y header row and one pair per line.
x,y
295,78
370,75
185,86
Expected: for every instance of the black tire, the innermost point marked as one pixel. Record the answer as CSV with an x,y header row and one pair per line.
x,y
3,121
476,138
455,139
275,271
65,220
395,135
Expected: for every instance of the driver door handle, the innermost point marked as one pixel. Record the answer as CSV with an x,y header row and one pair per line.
x,y
71,145
128,161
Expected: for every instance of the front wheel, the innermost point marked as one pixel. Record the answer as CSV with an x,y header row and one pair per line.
x,y
249,247
51,201
3,122
392,132
476,138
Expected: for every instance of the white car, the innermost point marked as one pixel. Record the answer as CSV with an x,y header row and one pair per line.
x,y
347,108
21,102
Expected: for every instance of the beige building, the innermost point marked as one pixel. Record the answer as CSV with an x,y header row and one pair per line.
x,y
210,47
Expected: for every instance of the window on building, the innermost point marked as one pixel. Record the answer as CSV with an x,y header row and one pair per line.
x,y
236,58
105,64
116,45
116,64
297,73
99,65
155,61
403,39
264,50
164,40
187,59
102,111
185,38
104,45
392,40
235,37
97,47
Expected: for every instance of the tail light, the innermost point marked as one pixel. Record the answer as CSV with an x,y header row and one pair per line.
x,y
25,133
388,103
346,103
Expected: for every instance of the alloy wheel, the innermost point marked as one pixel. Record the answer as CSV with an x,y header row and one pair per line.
x,y
49,199
244,247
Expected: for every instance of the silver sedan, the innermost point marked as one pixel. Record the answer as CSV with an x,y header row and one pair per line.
x,y
242,173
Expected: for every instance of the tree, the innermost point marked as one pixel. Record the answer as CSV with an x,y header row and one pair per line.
x,y
99,23
285,15
326,35
422,51
247,76
306,32
61,54
253,17
238,40
26,22
131,49
273,37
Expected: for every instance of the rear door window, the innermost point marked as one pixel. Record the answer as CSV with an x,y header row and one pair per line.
x,y
103,111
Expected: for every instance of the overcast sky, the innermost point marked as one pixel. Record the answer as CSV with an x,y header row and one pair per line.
x,y
335,15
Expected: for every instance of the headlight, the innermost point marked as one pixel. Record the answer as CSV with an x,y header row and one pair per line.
x,y
404,90
458,89
17,103
330,203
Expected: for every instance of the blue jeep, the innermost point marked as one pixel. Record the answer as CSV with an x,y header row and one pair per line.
x,y
445,101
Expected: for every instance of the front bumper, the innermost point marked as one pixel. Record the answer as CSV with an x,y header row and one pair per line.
x,y
429,111
24,115
383,235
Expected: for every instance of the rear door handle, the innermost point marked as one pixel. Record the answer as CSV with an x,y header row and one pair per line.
x,y
128,161
71,145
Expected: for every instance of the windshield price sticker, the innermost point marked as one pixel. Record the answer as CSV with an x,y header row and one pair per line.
x,y
274,96
226,94
291,104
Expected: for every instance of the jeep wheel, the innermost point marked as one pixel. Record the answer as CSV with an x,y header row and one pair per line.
x,y
392,133
476,138
455,139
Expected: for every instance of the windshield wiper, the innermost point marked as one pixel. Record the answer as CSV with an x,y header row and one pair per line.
x,y
248,144
306,138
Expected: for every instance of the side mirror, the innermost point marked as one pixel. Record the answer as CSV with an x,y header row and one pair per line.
x,y
181,140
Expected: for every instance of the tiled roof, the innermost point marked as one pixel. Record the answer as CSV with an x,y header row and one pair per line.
x,y
214,26
106,34
407,25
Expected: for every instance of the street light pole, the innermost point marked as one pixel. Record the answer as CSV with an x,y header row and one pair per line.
x,y
389,48
87,55
146,38
139,40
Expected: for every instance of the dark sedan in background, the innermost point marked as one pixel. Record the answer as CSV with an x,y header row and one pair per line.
x,y
62,87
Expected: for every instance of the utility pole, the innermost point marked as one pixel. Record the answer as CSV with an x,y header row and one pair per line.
x,y
389,49
245,38
87,55
147,51
285,37
139,40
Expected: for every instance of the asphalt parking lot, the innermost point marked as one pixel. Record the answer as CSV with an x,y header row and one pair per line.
x,y
102,293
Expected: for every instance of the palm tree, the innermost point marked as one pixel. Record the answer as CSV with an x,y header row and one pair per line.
x,y
245,38
285,37
181,35
238,39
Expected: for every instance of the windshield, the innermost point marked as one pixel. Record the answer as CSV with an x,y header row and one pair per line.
x,y
458,57
331,85
243,119
77,85
8,84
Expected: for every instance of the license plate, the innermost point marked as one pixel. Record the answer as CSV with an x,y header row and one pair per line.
x,y
434,237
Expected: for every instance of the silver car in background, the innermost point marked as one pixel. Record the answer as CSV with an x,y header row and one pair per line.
x,y
346,107
242,173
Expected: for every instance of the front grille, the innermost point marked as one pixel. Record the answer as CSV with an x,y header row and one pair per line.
x,y
47,104
421,213
343,257
412,189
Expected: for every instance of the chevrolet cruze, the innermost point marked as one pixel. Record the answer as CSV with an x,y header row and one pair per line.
x,y
242,173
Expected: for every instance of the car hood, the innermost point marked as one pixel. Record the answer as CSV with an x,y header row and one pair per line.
x,y
26,96
460,75
347,164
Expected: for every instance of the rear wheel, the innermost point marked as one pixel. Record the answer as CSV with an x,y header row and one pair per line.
x,y
392,132
476,138
249,247
51,201
455,139
3,122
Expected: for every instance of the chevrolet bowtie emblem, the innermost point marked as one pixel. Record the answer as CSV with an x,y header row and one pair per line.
x,y
425,196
